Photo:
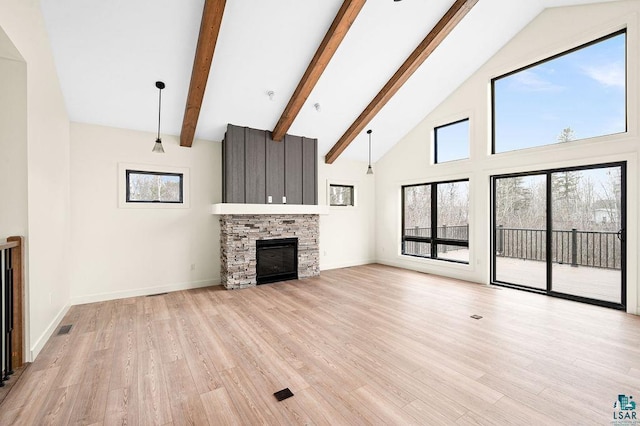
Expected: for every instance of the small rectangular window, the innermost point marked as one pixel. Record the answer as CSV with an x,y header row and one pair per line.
x,y
574,95
154,187
451,141
341,195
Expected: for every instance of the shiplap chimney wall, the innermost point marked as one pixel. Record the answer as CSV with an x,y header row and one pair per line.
x,y
259,170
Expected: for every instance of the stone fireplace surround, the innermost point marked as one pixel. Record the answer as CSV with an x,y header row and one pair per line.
x,y
238,235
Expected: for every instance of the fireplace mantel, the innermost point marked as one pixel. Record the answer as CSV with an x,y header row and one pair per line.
x,y
267,209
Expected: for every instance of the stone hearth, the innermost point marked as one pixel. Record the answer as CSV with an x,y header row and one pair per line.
x,y
238,235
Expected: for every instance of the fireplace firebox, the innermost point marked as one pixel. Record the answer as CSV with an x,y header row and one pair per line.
x,y
276,260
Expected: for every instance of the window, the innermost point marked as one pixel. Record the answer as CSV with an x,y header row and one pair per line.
x,y
154,187
574,95
451,141
443,207
341,195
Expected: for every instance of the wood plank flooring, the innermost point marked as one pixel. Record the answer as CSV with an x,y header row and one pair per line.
x,y
362,345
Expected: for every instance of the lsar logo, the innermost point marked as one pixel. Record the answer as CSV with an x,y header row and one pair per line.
x,y
625,410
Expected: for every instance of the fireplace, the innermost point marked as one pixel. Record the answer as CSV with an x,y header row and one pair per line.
x,y
240,235
276,260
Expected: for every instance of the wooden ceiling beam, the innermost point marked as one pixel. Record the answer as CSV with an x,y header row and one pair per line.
x,y
207,39
439,32
336,33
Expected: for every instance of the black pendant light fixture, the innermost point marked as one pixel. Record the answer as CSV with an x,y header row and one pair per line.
x,y
158,145
369,169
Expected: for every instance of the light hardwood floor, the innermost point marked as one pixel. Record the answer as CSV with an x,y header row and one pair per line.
x,y
362,345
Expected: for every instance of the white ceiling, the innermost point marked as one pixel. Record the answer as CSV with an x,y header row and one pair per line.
x,y
109,54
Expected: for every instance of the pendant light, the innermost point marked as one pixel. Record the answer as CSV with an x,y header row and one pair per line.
x,y
157,148
369,169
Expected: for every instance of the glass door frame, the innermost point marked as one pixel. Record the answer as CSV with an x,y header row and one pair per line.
x,y
548,238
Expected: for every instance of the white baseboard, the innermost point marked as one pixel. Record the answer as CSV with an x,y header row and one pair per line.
x,y
44,337
101,297
450,270
347,264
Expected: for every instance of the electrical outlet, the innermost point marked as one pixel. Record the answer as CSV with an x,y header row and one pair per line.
x,y
269,199
193,266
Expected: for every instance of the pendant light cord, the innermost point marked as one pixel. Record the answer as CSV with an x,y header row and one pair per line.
x,y
159,109
369,133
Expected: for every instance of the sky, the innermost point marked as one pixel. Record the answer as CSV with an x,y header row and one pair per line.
x,y
452,141
583,90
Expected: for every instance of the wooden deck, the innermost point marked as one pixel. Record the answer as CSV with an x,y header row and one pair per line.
x,y
594,283
363,345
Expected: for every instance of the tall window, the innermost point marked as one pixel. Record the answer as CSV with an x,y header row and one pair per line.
x,y
451,141
154,187
574,95
435,220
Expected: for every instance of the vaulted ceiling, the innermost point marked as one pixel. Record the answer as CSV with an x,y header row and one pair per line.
x,y
109,54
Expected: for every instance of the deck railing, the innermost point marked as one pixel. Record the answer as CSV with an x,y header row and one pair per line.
x,y
418,248
596,249
11,294
453,232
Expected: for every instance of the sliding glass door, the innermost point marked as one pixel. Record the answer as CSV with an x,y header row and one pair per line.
x,y
561,232
520,240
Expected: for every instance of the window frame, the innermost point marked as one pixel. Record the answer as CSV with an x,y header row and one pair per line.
x,y
550,58
342,185
433,240
161,169
128,174
435,140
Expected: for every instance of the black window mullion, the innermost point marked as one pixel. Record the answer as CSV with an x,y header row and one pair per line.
x,y
549,232
434,220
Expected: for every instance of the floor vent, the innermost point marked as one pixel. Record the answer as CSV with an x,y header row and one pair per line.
x,y
283,394
476,316
157,294
65,329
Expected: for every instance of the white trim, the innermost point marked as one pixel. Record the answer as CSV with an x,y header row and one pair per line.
x,y
347,264
46,335
232,208
343,182
122,186
123,294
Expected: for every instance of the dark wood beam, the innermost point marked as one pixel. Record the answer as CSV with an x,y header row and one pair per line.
x,y
441,30
209,29
336,33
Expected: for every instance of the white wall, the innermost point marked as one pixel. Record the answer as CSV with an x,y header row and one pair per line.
x,y
347,234
13,140
553,31
121,252
47,173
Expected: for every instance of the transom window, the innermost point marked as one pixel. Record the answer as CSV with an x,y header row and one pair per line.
x,y
575,95
341,195
154,187
451,141
435,220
